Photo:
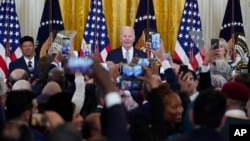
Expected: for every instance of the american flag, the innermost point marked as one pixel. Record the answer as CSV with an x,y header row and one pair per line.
x,y
95,32
145,20
9,35
189,47
232,31
51,23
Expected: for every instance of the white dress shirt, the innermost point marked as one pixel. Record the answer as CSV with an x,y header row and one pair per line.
x,y
131,52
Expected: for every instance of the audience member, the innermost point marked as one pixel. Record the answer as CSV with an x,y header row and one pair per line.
x,y
207,116
15,75
43,77
22,85
237,95
20,107
92,126
49,89
43,62
57,75
126,51
28,61
65,132
62,104
173,111
244,79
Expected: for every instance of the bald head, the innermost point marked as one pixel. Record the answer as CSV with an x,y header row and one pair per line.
x,y
21,85
17,74
56,75
51,88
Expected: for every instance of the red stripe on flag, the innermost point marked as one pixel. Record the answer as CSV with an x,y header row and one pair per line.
x,y
13,57
4,66
108,48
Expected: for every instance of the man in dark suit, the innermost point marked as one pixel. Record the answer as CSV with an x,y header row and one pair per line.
x,y
28,61
126,51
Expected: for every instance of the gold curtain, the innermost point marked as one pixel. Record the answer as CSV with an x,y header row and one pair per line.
x,y
119,13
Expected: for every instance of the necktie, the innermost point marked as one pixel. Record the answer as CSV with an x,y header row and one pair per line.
x,y
127,57
30,68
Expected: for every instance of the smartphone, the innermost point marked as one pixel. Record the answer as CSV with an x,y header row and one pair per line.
x,y
143,61
215,42
131,84
65,46
83,64
131,70
155,40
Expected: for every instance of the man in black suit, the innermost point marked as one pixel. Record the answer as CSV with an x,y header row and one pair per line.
x,y
28,61
126,51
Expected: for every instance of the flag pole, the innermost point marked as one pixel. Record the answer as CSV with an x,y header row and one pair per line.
x,y
232,55
7,46
50,25
96,32
148,47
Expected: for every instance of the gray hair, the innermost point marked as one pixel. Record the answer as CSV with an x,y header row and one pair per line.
x,y
221,67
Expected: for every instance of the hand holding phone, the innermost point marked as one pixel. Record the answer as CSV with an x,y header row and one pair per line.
x,y
215,42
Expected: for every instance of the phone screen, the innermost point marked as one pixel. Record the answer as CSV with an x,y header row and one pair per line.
x,y
130,84
215,42
155,41
143,61
66,46
80,65
131,70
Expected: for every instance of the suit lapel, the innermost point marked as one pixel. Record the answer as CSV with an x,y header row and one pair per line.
x,y
120,54
23,63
